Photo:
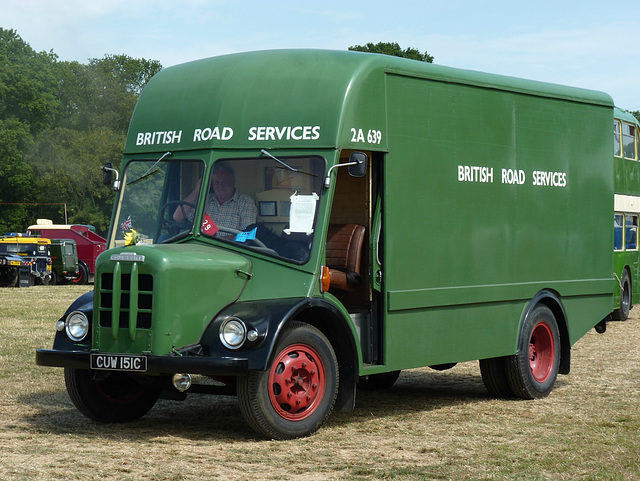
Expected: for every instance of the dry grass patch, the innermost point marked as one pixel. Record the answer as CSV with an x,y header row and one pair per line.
x,y
430,425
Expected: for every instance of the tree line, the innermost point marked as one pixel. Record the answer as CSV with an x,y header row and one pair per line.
x,y
61,121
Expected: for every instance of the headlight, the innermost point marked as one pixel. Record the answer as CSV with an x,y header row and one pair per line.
x,y
233,333
77,326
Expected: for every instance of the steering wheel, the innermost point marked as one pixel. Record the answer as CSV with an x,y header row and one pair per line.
x,y
166,218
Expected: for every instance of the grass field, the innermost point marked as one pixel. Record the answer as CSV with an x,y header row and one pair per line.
x,y
430,425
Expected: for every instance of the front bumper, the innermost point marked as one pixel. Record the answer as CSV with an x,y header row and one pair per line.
x,y
225,366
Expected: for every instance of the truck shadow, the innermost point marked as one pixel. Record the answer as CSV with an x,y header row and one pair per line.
x,y
203,417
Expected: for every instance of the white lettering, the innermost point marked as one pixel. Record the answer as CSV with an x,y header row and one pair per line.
x,y
160,137
252,133
474,173
513,176
208,133
270,133
553,179
297,132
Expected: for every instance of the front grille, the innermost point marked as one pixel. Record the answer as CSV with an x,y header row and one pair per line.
x,y
131,293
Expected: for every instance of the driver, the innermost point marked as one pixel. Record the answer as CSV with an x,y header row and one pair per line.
x,y
225,205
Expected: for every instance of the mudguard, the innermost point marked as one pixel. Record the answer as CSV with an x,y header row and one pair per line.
x,y
268,317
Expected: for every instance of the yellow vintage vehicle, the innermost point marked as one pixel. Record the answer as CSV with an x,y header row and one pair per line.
x,y
24,261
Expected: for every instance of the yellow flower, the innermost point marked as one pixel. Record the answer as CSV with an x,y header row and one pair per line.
x,y
131,238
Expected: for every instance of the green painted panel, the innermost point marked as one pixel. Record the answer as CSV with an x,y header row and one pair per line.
x,y
495,195
184,287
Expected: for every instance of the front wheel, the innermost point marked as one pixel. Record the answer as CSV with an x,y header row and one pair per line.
x,y
110,397
296,394
532,372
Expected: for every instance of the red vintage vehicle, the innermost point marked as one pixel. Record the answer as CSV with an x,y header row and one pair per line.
x,y
89,244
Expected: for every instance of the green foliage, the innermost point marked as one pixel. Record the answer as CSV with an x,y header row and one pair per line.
x,y
59,123
28,85
392,48
636,114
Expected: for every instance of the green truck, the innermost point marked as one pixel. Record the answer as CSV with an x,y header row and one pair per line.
x,y
293,224
64,261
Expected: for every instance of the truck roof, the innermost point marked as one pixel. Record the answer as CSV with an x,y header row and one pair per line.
x,y
24,240
283,92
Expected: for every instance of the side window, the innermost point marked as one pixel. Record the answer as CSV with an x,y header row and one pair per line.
x,y
618,220
617,150
631,232
629,141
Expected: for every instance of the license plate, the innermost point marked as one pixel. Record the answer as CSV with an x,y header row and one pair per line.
x,y
118,362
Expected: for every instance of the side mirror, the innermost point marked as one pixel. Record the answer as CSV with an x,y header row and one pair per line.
x,y
106,173
106,176
357,164
357,167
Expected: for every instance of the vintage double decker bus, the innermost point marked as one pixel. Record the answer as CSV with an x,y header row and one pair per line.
x,y
626,144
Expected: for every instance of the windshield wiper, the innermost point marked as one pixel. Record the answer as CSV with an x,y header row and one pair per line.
x,y
286,165
148,172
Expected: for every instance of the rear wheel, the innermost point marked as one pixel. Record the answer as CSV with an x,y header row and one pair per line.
x,y
532,372
83,278
110,397
296,394
622,314
494,377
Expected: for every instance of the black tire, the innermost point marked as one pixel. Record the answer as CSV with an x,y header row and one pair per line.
x,y
83,278
53,280
376,382
8,277
296,394
622,313
109,397
532,372
494,377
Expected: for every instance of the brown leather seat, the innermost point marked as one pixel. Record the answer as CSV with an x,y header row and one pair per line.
x,y
344,254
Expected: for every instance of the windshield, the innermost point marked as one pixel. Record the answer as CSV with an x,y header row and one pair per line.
x,y
259,203
149,199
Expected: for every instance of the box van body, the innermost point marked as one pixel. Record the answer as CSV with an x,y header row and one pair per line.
x,y
386,214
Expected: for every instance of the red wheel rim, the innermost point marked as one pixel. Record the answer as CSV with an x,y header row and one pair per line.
x,y
542,352
296,382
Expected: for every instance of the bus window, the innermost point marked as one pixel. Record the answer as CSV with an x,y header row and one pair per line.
x,y
617,150
629,141
631,232
617,231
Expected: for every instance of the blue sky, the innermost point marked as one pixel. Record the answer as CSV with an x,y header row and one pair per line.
x,y
590,44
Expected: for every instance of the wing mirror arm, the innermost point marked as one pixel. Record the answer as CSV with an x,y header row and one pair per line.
x,y
357,167
106,176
